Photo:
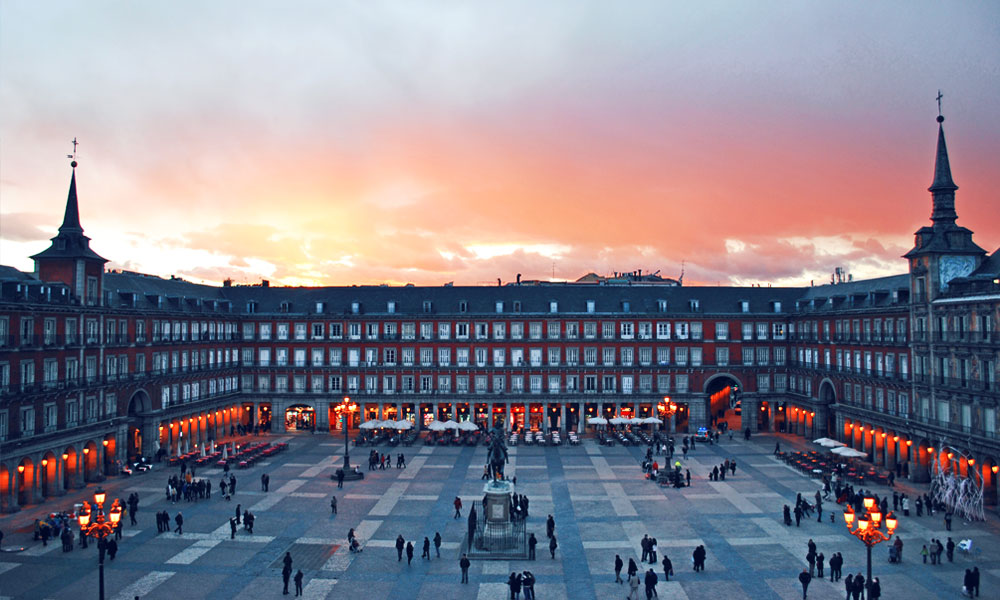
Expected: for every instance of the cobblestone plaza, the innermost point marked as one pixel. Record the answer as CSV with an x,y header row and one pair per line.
x,y
601,503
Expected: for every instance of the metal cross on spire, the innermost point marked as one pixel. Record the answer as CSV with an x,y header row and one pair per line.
x,y
939,96
73,156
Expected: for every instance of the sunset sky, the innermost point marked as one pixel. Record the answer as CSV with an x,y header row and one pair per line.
x,y
334,143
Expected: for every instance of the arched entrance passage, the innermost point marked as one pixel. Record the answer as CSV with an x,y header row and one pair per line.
x,y
25,481
138,405
723,392
49,472
71,466
300,417
90,470
5,496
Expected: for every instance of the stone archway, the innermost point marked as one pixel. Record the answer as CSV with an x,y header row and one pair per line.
x,y
48,473
138,405
25,478
723,391
71,467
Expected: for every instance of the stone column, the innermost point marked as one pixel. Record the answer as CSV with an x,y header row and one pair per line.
x,y
698,413
562,419
748,413
545,417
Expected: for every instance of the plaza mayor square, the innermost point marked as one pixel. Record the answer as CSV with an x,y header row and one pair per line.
x,y
558,300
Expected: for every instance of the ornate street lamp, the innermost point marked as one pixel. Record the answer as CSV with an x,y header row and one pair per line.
x,y
869,530
345,408
667,409
97,525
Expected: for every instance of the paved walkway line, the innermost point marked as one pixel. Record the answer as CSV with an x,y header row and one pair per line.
x,y
277,495
144,585
389,499
193,553
342,558
318,588
315,470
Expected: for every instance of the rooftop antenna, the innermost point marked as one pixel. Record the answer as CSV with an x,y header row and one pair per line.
x,y
681,279
553,269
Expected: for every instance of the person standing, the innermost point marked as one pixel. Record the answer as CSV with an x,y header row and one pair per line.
x,y
668,568
975,580
464,565
804,579
618,568
340,478
232,528
528,585
550,526
286,574
875,591
552,546
400,546
458,507
859,586
298,581
263,484
426,554
333,505
437,543
819,565
950,549
532,542
179,519
409,553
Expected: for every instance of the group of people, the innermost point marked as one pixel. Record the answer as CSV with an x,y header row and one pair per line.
x,y
520,582
383,461
187,487
163,522
718,472
286,575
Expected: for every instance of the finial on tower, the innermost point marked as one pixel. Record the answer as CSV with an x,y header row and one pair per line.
x,y
73,156
940,117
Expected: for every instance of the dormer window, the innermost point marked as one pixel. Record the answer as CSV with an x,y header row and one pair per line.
x,y
744,306
499,306
695,305
285,307
463,306
626,306
390,307
320,307
553,306
428,306
591,306
355,308
661,305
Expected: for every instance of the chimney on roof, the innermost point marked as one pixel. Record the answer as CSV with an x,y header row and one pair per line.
x,y
265,283
227,282
499,284
518,279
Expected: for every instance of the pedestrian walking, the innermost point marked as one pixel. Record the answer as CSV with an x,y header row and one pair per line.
x,y
618,568
458,507
668,568
232,528
333,505
426,554
437,543
650,582
804,579
409,553
550,526
633,591
179,519
552,546
400,546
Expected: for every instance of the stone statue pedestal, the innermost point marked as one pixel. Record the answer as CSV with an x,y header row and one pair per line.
x,y
498,500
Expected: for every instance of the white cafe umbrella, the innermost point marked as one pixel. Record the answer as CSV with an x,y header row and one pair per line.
x,y
369,425
468,426
833,444
652,420
618,421
849,452
821,440
403,424
597,421
449,424
635,421
436,426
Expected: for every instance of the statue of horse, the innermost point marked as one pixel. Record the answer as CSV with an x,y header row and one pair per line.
x,y
497,454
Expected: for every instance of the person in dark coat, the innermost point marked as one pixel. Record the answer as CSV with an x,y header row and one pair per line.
x,y
632,569
532,542
232,528
409,553
333,505
426,549
787,514
400,546
975,580
550,526
849,585
286,574
437,543
859,586
875,592
650,582
464,564
514,583
552,546
298,580
668,568
179,519
804,579
618,569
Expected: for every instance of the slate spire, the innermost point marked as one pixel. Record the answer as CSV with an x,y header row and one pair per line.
x,y
71,218
943,188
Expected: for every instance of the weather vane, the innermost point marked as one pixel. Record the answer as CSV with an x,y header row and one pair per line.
x,y
73,156
939,96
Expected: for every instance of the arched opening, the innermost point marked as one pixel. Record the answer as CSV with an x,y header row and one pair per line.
x,y
49,472
989,471
25,481
724,402
4,488
764,416
138,405
300,417
90,470
71,466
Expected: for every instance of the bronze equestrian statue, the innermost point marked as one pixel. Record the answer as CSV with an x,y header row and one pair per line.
x,y
496,456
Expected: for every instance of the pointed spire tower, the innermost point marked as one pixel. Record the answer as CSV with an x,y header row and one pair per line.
x,y
69,258
944,250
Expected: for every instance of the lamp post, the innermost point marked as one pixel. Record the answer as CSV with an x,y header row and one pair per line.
x,y
667,409
345,408
97,525
869,531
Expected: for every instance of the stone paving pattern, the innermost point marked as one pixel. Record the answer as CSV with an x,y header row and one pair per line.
x,y
601,503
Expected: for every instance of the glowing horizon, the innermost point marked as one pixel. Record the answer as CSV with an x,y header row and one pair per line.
x,y
340,144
